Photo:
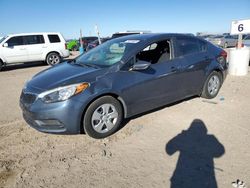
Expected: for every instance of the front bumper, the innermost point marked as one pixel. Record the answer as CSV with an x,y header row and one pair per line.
x,y
59,118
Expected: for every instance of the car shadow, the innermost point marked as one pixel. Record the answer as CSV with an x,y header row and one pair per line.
x,y
127,120
23,66
162,107
197,149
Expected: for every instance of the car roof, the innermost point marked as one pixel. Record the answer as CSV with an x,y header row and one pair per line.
x,y
40,33
153,36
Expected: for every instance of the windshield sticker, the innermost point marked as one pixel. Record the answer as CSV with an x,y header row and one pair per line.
x,y
132,41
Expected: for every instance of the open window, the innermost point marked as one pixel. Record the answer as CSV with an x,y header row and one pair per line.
x,y
157,52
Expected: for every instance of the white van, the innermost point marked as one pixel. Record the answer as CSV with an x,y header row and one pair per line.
x,y
27,47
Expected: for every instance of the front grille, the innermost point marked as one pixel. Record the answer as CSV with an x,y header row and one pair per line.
x,y
28,98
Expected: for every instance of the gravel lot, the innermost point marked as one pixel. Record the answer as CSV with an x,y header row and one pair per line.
x,y
144,153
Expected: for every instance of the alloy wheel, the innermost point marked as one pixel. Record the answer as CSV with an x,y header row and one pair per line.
x,y
53,59
104,118
213,85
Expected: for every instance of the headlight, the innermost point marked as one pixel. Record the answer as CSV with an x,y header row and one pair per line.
x,y
62,93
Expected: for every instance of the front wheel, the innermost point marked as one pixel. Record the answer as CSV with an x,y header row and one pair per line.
x,y
212,85
103,117
53,59
1,64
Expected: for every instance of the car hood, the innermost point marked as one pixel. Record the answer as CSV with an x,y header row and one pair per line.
x,y
65,74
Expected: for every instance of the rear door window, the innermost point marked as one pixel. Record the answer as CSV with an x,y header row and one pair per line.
x,y
188,46
15,41
54,38
33,39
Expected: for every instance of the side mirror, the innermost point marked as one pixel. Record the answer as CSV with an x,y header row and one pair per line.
x,y
141,65
5,44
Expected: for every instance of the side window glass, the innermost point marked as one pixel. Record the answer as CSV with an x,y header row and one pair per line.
x,y
150,47
54,38
34,39
156,52
15,41
188,46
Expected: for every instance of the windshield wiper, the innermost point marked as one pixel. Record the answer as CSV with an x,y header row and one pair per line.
x,y
91,65
85,64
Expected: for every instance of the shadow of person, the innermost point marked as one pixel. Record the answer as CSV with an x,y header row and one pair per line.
x,y
195,166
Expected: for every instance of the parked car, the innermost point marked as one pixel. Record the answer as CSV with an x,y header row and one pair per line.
x,y
95,43
246,40
119,79
224,41
27,47
87,40
206,37
125,33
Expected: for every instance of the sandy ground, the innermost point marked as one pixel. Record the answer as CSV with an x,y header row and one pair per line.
x,y
144,153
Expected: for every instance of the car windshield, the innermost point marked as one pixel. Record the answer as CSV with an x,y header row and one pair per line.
x,y
108,53
2,39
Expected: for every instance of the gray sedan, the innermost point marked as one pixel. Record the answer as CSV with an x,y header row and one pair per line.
x,y
224,41
119,79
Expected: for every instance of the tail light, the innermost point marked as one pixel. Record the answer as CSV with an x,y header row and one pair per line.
x,y
223,54
222,58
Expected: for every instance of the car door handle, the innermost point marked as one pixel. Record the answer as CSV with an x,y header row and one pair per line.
x,y
44,46
22,48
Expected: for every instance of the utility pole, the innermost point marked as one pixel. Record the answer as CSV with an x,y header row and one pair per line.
x,y
81,50
98,34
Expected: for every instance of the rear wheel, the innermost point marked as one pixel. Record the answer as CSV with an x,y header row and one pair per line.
x,y
212,85
103,117
53,58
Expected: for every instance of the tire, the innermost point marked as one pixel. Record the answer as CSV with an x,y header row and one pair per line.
x,y
103,117
225,45
212,85
53,59
1,65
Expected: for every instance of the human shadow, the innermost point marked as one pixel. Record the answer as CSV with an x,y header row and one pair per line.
x,y
195,166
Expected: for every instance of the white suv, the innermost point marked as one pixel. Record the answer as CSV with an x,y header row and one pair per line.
x,y
17,48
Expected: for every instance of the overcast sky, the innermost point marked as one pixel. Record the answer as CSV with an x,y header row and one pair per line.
x,y
67,17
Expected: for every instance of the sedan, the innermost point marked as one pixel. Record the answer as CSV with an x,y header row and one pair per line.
x,y
119,79
224,41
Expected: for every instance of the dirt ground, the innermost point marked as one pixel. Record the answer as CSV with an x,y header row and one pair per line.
x,y
146,152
